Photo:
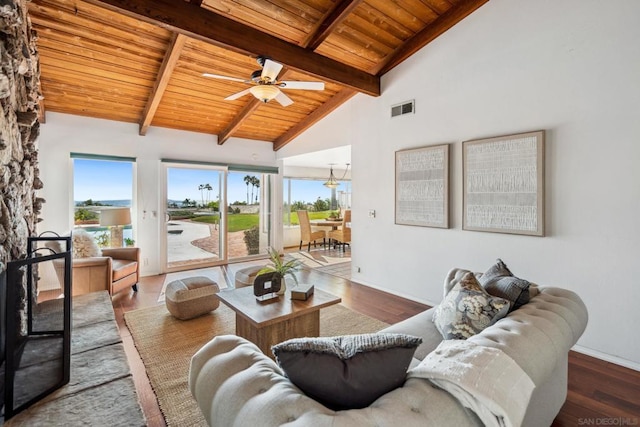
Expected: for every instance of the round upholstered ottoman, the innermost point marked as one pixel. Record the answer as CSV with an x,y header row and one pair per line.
x,y
191,297
246,276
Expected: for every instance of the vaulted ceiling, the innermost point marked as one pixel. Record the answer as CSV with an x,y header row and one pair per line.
x,y
142,61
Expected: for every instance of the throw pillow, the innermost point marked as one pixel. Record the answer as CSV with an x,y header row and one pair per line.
x,y
500,282
468,309
347,372
84,246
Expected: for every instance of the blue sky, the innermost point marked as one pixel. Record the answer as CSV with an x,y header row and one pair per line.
x,y
112,180
102,180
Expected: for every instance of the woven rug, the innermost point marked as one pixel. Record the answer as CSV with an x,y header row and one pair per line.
x,y
166,345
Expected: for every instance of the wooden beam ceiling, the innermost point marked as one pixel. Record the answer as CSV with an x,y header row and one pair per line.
x,y
330,23
348,44
162,80
430,33
238,120
202,24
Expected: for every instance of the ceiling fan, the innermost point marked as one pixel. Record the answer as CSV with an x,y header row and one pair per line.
x,y
266,85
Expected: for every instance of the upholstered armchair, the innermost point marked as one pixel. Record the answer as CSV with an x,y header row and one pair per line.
x,y
306,235
93,270
115,270
343,234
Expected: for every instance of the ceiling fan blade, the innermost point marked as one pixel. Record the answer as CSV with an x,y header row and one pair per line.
x,y
218,76
283,99
301,85
237,95
271,70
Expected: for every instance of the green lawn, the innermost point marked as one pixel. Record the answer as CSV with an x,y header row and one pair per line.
x,y
239,222
312,216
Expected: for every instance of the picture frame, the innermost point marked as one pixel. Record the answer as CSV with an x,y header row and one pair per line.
x,y
503,184
422,186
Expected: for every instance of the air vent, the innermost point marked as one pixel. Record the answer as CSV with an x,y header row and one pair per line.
x,y
404,108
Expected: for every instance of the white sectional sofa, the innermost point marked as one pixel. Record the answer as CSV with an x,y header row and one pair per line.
x,y
235,384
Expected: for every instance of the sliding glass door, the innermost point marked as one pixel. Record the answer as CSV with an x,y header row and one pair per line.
x,y
194,216
215,214
249,214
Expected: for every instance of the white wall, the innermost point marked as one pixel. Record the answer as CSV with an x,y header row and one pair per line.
x,y
63,134
570,67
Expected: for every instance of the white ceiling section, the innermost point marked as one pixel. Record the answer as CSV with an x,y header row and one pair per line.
x,y
339,156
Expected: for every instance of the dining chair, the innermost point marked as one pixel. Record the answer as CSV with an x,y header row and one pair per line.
x,y
306,235
342,234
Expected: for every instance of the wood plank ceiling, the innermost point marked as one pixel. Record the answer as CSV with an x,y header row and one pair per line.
x,y
141,61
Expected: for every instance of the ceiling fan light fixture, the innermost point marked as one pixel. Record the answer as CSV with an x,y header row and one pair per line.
x,y
264,93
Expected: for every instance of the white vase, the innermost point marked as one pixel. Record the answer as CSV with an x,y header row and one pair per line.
x,y
283,286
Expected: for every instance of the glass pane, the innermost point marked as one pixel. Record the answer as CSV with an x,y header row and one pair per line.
x,y
93,193
311,195
193,217
248,214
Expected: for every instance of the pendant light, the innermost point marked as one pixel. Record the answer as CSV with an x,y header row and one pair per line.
x,y
332,182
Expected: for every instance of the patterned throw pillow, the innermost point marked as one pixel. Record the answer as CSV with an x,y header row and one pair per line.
x,y
468,309
500,282
350,371
84,246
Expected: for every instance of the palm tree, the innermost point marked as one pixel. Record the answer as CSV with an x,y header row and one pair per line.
x,y
247,180
208,187
257,184
201,189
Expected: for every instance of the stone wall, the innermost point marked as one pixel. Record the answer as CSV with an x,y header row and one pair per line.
x,y
19,130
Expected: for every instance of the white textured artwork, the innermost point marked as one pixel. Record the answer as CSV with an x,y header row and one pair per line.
x,y
422,180
503,184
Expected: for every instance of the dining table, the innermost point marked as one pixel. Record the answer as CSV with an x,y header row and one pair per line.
x,y
334,224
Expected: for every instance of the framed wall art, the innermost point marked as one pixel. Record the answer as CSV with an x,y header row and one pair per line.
x,y
422,186
503,184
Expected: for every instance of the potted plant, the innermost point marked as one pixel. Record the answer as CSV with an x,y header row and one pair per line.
x,y
334,215
129,242
280,269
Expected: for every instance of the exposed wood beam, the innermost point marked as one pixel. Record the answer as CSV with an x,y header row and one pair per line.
x,y
337,100
237,121
42,116
202,24
330,23
162,80
430,33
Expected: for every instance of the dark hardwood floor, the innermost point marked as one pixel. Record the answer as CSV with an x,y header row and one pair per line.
x,y
600,393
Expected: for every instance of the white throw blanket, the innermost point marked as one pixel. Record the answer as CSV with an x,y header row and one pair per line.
x,y
483,379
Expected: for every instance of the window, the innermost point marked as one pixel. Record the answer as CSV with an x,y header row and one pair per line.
x,y
102,183
313,196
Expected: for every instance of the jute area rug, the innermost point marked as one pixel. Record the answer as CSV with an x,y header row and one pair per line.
x,y
166,345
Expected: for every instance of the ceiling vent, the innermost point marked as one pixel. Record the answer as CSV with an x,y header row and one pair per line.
x,y
404,108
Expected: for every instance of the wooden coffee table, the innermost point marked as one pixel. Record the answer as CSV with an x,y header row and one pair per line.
x,y
266,323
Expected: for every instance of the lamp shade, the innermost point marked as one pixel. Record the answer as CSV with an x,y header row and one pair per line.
x,y
264,93
117,216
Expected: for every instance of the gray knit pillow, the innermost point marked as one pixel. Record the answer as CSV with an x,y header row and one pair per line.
x,y
500,282
350,371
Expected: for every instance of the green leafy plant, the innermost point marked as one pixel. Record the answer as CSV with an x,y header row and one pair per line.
x,y
334,214
281,268
129,242
102,239
252,240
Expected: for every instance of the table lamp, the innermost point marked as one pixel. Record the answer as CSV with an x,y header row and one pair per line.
x,y
115,219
